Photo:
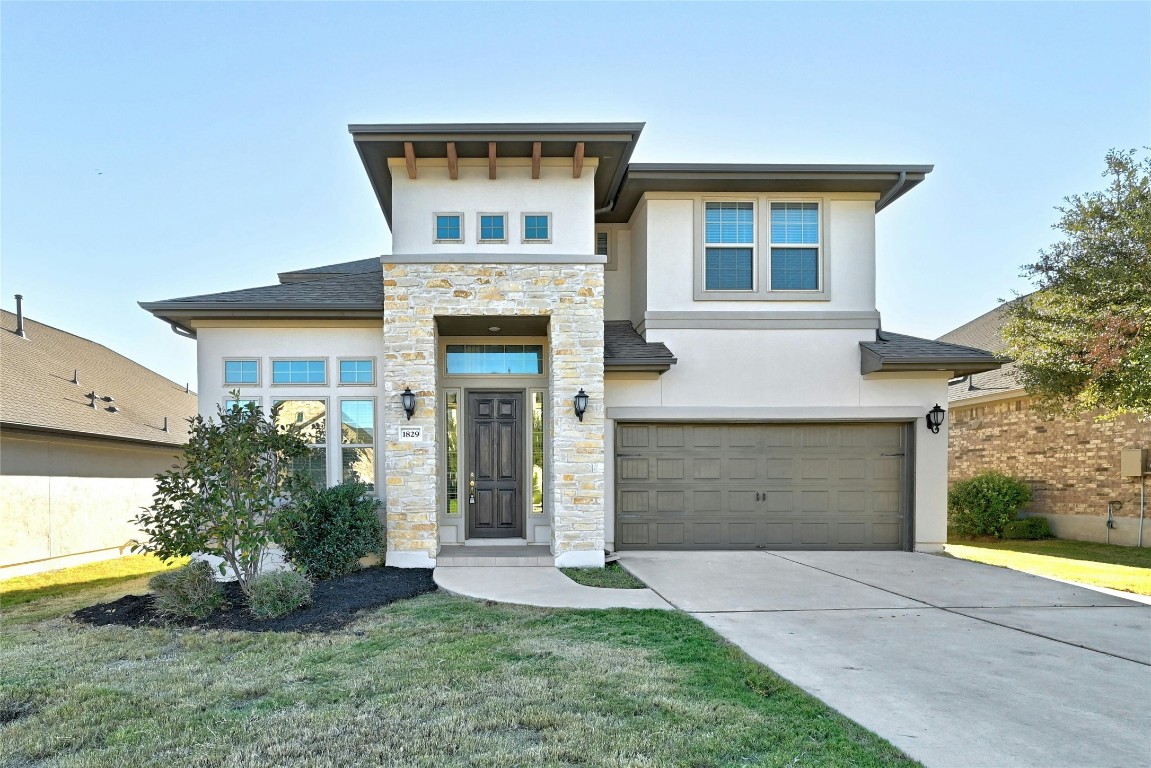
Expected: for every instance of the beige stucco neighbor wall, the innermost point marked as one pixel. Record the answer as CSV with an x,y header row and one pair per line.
x,y
571,295
1072,465
66,501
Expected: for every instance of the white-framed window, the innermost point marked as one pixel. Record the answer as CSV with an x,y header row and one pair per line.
x,y
729,245
493,227
311,416
300,371
242,371
537,227
795,246
601,244
357,371
448,227
358,440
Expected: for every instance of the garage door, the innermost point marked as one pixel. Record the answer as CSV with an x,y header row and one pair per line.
x,y
775,486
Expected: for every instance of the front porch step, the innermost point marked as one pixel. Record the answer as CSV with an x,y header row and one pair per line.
x,y
495,556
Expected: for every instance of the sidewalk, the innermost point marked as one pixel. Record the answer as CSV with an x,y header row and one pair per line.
x,y
540,586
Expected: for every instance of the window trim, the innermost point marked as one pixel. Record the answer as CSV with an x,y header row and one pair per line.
x,y
224,371
275,360
480,227
756,270
762,261
374,445
355,358
436,227
524,227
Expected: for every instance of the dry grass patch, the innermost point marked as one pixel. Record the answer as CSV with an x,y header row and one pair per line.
x,y
433,681
1103,565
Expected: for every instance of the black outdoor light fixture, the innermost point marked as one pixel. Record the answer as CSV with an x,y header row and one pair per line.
x,y
581,399
408,400
935,418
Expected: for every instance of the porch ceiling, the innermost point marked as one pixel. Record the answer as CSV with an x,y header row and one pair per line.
x,y
479,325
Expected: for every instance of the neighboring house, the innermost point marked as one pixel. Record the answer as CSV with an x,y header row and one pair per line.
x,y
718,321
1072,464
83,431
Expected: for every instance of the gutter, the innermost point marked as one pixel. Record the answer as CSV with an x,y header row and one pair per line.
x,y
890,194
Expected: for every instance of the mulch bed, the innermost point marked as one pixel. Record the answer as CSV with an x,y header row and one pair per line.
x,y
335,604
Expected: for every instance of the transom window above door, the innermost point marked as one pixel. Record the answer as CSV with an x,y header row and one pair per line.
x,y
495,359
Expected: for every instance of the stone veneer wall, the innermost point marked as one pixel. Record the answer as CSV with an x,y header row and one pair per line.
x,y
1072,465
572,296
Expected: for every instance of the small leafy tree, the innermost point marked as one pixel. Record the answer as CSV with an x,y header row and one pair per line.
x,y
1082,341
228,497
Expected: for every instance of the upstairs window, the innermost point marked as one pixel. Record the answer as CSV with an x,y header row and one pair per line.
x,y
795,244
449,228
729,246
299,372
241,371
537,227
601,244
493,228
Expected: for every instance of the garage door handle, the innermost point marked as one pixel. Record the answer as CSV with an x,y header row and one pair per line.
x,y
893,454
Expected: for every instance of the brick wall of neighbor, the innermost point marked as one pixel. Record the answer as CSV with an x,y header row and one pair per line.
x,y
1071,464
572,295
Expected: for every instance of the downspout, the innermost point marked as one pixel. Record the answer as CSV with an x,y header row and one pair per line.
x,y
882,202
1142,503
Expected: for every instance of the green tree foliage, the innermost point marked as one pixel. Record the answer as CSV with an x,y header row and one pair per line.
x,y
329,529
230,496
1082,341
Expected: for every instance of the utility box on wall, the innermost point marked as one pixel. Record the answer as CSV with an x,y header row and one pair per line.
x,y
1132,462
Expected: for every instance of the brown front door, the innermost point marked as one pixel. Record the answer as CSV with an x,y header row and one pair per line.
x,y
495,464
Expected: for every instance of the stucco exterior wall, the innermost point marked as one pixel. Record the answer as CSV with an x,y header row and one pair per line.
x,y
570,202
617,280
1072,465
66,501
571,296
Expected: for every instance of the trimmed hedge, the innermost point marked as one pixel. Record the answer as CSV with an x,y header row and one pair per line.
x,y
1028,528
190,592
986,503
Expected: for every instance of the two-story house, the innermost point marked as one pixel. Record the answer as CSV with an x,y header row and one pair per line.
x,y
568,350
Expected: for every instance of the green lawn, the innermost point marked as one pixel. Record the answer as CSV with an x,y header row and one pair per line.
x,y
81,578
611,576
1103,565
434,681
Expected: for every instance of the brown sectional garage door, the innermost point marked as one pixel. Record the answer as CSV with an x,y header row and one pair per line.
x,y
774,486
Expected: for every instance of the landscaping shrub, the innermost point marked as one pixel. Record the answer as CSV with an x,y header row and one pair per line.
x,y
1028,528
984,504
329,529
225,499
279,593
187,593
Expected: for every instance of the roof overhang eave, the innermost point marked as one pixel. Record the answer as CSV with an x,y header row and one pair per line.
x,y
638,365
871,362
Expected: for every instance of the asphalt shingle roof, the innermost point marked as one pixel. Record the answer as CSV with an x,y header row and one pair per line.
x,y
622,345
359,267
334,291
37,391
895,351
984,331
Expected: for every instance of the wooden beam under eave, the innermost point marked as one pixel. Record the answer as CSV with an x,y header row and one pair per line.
x,y
453,161
577,160
491,159
537,150
410,159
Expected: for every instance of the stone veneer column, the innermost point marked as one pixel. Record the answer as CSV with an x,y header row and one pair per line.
x,y
409,468
572,295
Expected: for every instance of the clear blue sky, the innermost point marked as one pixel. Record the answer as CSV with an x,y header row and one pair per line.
x,y
155,150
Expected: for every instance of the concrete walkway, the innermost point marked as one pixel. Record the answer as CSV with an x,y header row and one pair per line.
x,y
956,663
540,586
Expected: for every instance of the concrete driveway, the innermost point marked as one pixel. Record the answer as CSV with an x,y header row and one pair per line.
x,y
956,663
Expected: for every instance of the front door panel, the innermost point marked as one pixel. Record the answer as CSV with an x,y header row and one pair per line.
x,y
495,440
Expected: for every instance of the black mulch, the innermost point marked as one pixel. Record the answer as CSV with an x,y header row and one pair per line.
x,y
334,605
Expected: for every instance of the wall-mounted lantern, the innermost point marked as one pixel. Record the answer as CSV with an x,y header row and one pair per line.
x,y
935,418
581,399
408,400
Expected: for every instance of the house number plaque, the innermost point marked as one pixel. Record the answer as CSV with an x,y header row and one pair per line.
x,y
411,434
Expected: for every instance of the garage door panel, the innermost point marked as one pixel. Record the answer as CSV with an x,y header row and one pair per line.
x,y
740,486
